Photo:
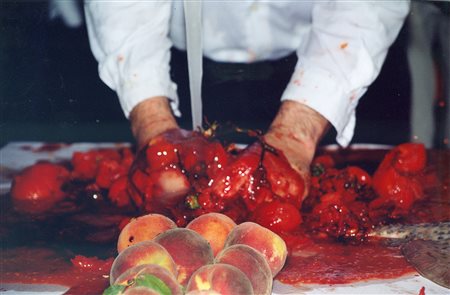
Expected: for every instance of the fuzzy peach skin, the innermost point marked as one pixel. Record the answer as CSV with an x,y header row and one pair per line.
x,y
146,252
221,278
252,263
188,249
268,243
214,227
202,292
140,291
143,228
149,269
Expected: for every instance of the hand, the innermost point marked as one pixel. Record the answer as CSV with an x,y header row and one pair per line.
x,y
151,118
296,131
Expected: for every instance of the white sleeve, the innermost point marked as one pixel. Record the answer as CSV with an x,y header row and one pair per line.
x,y
130,40
348,44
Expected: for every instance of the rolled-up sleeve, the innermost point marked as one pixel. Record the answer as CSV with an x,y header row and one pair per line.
x,y
348,44
130,40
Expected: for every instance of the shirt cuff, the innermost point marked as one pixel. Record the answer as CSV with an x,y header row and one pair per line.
x,y
323,92
141,85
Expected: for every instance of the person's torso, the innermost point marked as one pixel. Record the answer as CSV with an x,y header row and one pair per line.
x,y
247,31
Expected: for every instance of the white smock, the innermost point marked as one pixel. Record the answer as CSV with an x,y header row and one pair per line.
x,y
341,46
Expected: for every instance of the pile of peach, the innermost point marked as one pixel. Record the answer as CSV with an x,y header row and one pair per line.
x,y
211,255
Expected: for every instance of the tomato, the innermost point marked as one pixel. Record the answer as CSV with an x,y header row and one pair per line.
x,y
85,164
118,193
284,181
397,179
327,181
161,155
320,164
127,159
191,156
396,189
354,183
410,158
358,175
108,171
139,187
260,195
277,216
228,183
407,158
38,188
216,159
332,198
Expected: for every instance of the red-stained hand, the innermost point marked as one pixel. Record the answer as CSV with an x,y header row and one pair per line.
x,y
296,131
151,118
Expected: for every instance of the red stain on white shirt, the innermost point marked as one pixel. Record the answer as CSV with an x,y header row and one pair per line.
x,y
343,45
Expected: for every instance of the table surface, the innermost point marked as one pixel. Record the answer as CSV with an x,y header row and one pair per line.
x,y
17,155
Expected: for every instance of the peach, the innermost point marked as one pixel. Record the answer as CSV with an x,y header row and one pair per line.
x,y
220,278
140,290
271,245
214,227
138,277
202,292
252,263
188,249
146,252
143,228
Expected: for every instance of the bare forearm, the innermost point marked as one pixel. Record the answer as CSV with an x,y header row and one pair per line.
x,y
296,130
150,118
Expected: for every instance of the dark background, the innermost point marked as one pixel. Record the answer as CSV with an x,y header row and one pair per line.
x,y
50,89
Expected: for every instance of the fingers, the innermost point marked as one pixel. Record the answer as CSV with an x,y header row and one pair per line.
x,y
296,131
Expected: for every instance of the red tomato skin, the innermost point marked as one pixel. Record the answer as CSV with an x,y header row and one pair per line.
x,y
138,186
285,182
277,216
38,188
85,164
394,188
397,178
108,172
410,158
216,159
326,161
118,193
228,183
161,155
358,174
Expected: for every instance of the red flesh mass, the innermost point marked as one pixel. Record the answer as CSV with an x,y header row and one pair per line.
x,y
344,203
38,188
